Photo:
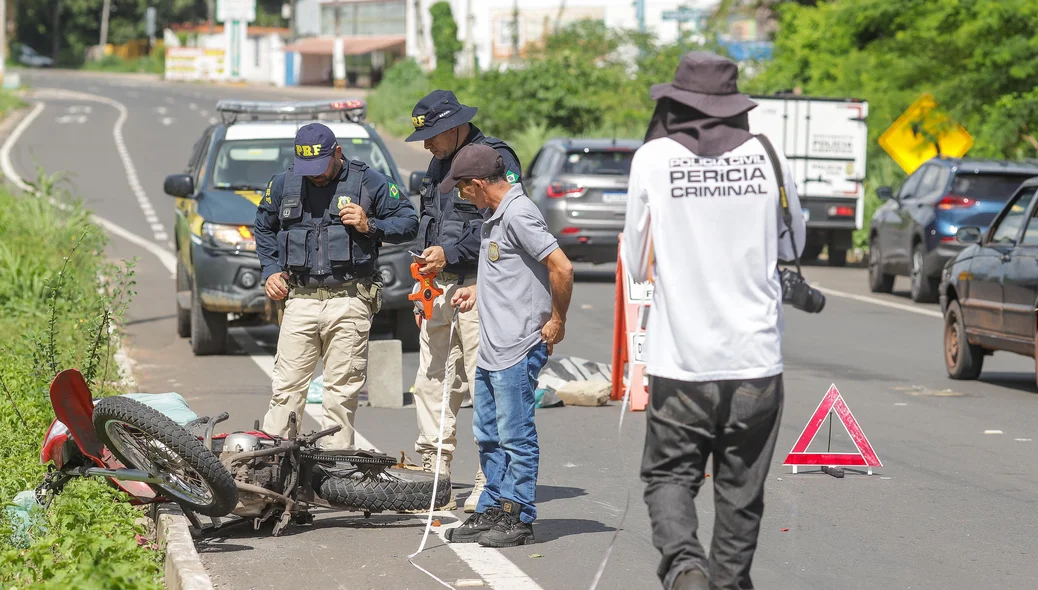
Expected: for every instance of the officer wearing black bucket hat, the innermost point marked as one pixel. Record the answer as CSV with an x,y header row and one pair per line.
x,y
449,234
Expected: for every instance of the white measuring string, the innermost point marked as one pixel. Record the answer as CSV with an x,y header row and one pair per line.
x,y
447,379
623,458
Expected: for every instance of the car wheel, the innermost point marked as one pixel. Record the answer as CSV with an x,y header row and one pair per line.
x,y
183,315
208,329
1036,357
406,331
878,281
924,289
962,359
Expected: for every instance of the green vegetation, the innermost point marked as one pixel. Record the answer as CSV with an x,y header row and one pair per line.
x,y
146,64
58,301
580,83
64,29
9,101
979,59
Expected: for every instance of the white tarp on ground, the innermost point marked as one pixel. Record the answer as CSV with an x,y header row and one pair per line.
x,y
556,372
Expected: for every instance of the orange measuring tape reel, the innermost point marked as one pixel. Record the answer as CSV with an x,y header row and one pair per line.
x,y
428,291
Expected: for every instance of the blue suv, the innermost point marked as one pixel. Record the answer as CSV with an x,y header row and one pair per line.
x,y
913,232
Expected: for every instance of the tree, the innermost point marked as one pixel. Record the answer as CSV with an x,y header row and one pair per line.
x,y
445,39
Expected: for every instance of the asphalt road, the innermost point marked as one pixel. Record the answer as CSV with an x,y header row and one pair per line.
x,y
951,507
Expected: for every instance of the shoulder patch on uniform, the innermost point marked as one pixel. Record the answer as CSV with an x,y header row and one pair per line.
x,y
512,177
394,190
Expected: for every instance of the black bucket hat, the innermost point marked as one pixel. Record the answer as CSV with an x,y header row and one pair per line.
x,y
439,111
707,83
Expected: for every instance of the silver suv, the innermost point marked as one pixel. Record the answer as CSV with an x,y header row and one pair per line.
x,y
580,185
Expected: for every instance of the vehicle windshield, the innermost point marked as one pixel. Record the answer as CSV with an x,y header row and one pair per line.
x,y
249,163
988,187
606,162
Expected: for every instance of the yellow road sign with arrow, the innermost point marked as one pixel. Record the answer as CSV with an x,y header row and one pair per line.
x,y
922,132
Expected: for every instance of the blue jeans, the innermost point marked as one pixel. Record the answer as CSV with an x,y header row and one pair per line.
x,y
505,432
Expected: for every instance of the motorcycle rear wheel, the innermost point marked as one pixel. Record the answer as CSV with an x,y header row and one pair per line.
x,y
378,490
144,438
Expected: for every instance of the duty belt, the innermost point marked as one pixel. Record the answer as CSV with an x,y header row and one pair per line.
x,y
450,277
324,293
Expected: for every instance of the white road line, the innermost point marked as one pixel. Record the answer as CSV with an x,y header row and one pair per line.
x,y
875,301
159,233
165,256
495,569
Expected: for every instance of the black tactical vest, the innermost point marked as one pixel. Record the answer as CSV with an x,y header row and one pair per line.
x,y
445,224
310,246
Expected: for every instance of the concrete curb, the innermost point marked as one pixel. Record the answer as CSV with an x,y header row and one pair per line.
x,y
183,566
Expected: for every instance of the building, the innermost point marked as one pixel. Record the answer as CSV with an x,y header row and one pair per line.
x,y
347,43
373,34
262,55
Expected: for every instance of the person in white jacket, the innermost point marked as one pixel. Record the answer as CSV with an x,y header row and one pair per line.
x,y
705,224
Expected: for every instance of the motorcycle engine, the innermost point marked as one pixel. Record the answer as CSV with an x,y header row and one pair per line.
x,y
261,471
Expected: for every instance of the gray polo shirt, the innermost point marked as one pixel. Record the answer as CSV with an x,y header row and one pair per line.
x,y
514,293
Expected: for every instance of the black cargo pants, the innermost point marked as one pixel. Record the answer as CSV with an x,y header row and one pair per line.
x,y
735,421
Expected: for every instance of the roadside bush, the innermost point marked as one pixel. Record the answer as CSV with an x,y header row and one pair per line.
x,y
155,63
59,299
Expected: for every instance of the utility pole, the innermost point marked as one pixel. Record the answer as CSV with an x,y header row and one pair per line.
x,y
212,16
639,10
104,24
515,31
56,28
469,49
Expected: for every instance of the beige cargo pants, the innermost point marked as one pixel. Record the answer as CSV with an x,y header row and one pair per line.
x,y
428,386
331,325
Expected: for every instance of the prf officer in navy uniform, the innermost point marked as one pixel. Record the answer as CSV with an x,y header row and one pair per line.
x,y
450,236
317,233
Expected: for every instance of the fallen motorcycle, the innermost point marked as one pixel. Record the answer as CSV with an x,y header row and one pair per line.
x,y
247,474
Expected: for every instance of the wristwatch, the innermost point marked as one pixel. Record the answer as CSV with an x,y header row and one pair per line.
x,y
372,228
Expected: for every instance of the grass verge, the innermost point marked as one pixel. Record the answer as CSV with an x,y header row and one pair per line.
x,y
59,299
147,64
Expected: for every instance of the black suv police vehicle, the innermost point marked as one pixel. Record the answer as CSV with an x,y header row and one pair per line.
x,y
218,272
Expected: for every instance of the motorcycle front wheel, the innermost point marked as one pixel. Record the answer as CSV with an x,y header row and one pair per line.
x,y
144,438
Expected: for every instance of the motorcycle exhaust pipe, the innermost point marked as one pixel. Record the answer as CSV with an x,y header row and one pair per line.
x,y
122,474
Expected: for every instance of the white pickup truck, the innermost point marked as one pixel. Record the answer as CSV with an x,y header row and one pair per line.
x,y
825,140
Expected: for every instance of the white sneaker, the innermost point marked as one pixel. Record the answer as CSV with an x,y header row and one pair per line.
x,y
477,491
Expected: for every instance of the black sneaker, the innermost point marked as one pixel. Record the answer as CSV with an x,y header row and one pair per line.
x,y
509,531
474,527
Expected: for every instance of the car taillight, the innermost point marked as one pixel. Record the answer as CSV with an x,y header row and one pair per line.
x,y
948,238
570,230
955,202
841,211
557,190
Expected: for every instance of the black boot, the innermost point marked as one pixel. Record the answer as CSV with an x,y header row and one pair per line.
x,y
509,531
477,524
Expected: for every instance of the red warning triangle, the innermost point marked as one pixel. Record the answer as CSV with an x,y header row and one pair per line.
x,y
833,401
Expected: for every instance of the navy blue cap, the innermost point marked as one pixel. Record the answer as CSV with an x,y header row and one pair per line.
x,y
315,144
437,112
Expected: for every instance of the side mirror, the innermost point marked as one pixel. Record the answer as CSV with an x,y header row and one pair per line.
x,y
416,182
179,185
885,193
968,235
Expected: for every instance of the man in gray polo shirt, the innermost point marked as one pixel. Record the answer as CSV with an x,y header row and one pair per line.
x,y
523,294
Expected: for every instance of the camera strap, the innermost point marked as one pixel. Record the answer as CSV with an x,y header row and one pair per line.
x,y
787,216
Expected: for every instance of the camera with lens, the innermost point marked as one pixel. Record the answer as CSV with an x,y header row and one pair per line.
x,y
799,294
